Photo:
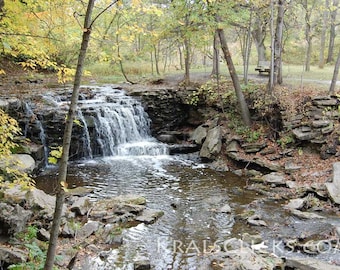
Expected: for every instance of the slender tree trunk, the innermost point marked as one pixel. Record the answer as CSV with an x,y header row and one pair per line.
x,y
121,62
151,61
187,61
247,49
240,97
67,141
156,59
323,36
308,54
180,57
335,75
332,31
216,56
278,43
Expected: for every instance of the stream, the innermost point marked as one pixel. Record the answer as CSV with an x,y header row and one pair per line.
x,y
129,161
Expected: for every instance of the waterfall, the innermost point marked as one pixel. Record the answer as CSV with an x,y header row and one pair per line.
x,y
115,124
31,117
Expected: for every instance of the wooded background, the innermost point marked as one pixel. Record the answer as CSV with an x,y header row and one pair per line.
x,y
158,36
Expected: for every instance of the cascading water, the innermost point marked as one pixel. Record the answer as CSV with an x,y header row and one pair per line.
x,y
32,117
116,124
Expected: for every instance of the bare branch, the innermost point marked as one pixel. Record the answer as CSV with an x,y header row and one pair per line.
x,y
105,9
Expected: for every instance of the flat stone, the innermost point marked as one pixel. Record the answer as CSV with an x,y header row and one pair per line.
x,y
275,178
327,129
305,215
88,229
325,101
291,167
333,188
320,123
295,204
149,216
253,147
79,191
304,135
308,264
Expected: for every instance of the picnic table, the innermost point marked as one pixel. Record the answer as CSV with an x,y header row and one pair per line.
x,y
263,67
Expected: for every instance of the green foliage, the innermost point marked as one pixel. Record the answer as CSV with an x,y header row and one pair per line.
x,y
250,135
36,254
212,93
55,154
9,128
285,140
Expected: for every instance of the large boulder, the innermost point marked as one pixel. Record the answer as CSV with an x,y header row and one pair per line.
x,y
199,134
212,144
13,219
37,200
21,162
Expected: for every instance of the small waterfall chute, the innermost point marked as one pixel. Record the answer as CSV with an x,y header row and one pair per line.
x,y
119,125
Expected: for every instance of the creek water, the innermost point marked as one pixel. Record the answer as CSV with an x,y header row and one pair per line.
x,y
189,194
122,158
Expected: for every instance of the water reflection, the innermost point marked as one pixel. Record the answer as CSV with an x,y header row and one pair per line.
x,y
189,195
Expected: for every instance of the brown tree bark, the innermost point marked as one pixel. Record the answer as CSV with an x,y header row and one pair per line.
x,y
240,97
278,43
216,56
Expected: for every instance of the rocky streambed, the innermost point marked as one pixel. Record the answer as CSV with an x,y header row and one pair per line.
x,y
276,210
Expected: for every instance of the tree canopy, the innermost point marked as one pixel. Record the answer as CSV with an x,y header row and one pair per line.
x,y
154,36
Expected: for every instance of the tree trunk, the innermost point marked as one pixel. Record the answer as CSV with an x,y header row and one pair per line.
x,y
335,75
187,61
216,56
180,57
258,34
247,50
332,31
240,97
308,54
67,141
323,36
156,59
278,44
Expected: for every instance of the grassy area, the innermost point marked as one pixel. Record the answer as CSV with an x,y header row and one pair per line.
x,y
292,74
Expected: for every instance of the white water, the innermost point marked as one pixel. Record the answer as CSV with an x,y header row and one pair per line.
x,y
121,126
